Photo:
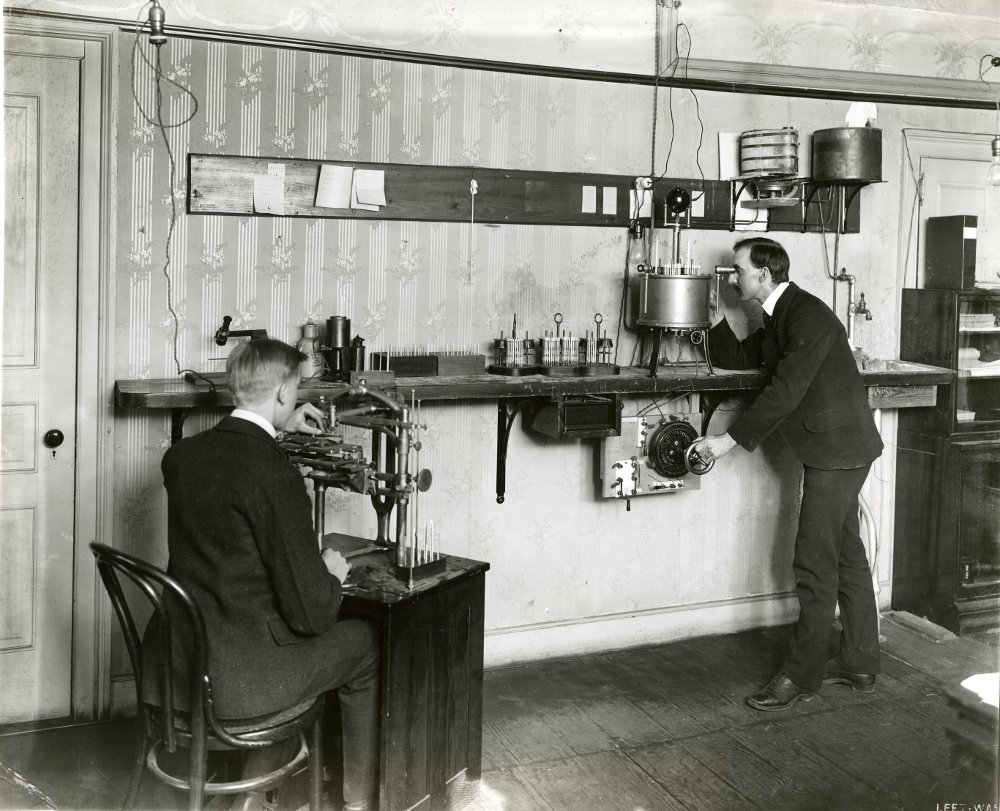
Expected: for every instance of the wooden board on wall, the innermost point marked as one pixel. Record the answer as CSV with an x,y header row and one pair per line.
x,y
224,184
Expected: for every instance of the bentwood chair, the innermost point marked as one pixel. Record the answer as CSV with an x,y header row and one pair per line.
x,y
165,727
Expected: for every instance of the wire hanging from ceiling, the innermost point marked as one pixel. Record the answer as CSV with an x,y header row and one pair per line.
x,y
153,24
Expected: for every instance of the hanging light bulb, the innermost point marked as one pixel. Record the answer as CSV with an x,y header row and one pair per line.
x,y
993,173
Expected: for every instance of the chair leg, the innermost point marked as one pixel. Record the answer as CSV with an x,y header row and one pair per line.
x,y
316,765
198,773
138,766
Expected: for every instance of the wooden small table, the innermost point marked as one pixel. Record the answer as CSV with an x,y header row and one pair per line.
x,y
431,683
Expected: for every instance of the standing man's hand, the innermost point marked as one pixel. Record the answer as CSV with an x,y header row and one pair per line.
x,y
714,446
306,419
336,564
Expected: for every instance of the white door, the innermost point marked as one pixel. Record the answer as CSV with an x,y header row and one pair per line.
x,y
41,165
958,186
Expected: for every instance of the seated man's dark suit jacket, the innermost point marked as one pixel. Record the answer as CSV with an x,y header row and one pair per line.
x,y
814,398
241,542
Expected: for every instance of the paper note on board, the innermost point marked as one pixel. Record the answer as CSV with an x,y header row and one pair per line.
x,y
269,194
276,169
640,203
334,187
609,200
589,200
370,186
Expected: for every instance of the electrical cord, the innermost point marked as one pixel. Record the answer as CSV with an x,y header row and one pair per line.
x,y
162,126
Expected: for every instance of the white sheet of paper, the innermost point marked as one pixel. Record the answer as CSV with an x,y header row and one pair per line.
x,y
729,155
750,219
276,169
269,194
357,204
370,184
334,187
609,200
589,200
645,206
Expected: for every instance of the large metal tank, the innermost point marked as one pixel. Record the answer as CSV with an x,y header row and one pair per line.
x,y
674,302
852,154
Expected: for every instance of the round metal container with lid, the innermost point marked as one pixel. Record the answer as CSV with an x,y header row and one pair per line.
x,y
847,154
769,153
674,302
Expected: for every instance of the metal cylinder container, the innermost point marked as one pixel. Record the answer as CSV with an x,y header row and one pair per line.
x,y
769,153
674,302
338,331
847,154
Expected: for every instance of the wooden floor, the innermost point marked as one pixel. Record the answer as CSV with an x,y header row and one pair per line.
x,y
662,727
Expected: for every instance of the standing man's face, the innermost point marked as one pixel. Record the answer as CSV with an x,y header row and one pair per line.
x,y
747,280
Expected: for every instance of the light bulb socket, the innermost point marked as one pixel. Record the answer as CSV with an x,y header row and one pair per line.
x,y
157,17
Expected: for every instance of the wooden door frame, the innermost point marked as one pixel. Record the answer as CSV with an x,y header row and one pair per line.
x,y
91,661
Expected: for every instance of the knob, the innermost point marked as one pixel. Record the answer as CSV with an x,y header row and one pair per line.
x,y
53,438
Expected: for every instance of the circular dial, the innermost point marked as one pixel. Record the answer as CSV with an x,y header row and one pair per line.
x,y
665,448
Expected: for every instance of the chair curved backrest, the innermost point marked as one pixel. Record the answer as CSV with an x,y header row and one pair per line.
x,y
162,590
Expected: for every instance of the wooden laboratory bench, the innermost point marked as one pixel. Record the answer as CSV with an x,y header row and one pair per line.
x,y
892,384
431,678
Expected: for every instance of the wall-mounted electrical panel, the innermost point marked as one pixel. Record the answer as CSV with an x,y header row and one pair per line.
x,y
647,458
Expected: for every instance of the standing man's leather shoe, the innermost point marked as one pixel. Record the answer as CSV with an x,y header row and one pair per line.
x,y
779,694
835,673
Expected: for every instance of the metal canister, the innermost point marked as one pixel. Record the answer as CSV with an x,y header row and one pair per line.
x,y
769,153
674,302
358,354
847,154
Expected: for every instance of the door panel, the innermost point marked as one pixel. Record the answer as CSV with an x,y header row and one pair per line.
x,y
41,191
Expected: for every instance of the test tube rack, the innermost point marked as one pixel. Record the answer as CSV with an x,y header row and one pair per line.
x,y
555,353
419,362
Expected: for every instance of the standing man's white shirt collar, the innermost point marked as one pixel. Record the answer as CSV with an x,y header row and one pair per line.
x,y
243,414
772,299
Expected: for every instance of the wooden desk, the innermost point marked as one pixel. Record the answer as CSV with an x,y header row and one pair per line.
x,y
432,672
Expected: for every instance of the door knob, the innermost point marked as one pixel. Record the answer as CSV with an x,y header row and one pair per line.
x,y
53,438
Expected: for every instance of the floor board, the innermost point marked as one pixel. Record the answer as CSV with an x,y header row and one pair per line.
x,y
660,727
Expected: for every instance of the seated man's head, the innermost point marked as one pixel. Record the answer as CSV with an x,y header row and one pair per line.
x,y
263,377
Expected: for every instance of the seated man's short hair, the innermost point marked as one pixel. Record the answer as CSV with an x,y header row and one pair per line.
x,y
256,368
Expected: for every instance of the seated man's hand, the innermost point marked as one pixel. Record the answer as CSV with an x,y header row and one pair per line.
x,y
336,564
306,419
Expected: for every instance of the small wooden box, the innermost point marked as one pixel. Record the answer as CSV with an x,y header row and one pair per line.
x,y
461,364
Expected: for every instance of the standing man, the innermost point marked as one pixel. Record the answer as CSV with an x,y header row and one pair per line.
x,y
815,400
241,542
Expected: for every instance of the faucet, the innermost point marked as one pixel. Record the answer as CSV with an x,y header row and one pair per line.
x,y
853,308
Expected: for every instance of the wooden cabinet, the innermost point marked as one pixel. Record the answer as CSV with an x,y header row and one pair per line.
x,y
947,553
431,683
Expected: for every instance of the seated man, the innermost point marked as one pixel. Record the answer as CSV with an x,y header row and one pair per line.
x,y
242,543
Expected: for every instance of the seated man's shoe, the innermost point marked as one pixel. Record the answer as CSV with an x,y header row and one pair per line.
x,y
779,694
835,673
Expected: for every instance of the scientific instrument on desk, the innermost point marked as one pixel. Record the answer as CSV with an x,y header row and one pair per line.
x,y
392,478
674,298
555,353
650,457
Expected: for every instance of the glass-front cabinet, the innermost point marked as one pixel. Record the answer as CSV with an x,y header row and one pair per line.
x,y
960,330
946,560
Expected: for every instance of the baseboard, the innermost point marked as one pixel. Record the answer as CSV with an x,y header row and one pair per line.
x,y
619,631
